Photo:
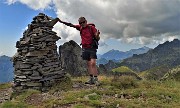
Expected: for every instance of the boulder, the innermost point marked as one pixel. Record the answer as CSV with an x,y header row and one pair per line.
x,y
70,57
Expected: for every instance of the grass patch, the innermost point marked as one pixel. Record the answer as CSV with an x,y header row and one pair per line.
x,y
18,100
11,104
22,96
64,84
125,92
5,85
94,97
124,82
80,106
122,69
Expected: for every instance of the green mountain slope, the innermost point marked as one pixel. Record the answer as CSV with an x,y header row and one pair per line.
x,y
164,54
123,70
173,74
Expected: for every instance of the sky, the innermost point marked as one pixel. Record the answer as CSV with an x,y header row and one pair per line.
x,y
124,24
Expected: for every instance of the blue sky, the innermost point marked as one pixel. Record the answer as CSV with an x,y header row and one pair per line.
x,y
124,24
13,21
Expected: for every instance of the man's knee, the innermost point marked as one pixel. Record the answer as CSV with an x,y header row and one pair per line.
x,y
91,64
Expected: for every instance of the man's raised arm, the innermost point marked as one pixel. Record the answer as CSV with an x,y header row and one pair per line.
x,y
66,23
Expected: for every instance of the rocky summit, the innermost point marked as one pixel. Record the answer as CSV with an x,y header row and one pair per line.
x,y
36,62
70,56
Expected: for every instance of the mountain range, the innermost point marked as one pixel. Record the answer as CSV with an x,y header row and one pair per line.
x,y
6,69
166,54
117,56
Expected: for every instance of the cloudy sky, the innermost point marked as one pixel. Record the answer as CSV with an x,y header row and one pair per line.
x,y
124,24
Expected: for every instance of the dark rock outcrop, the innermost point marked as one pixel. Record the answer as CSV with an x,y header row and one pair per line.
x,y
102,70
70,57
107,68
111,65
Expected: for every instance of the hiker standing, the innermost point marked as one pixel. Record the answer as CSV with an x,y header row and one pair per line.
x,y
88,32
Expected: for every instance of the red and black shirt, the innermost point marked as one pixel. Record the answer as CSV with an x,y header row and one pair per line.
x,y
86,35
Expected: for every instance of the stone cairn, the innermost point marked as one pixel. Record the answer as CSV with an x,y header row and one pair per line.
x,y
36,62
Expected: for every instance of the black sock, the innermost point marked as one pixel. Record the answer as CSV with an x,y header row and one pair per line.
x,y
91,75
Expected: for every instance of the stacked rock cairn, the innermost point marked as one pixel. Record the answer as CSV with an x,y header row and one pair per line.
x,y
36,63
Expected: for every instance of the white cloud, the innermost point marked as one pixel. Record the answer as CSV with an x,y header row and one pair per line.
x,y
11,1
132,21
1,53
135,21
66,33
34,4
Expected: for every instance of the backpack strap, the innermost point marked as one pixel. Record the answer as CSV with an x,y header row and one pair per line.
x,y
90,29
94,40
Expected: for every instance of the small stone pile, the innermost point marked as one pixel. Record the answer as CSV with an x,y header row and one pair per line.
x,y
36,62
5,94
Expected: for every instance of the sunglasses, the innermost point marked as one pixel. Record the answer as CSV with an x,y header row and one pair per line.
x,y
82,22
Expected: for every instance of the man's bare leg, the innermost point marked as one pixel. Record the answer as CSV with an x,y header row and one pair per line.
x,y
92,69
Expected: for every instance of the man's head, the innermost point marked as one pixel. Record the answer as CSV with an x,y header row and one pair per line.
x,y
82,21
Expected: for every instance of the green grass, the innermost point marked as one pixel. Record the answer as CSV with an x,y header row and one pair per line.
x,y
5,85
125,92
14,105
172,74
124,82
64,84
19,100
122,69
155,73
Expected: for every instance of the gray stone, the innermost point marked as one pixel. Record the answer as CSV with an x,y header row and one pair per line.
x,y
71,61
32,84
21,77
37,58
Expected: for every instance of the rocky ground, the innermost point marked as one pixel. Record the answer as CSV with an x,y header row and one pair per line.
x,y
123,93
38,99
5,94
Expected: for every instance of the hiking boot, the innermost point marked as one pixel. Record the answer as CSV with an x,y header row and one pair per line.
x,y
96,82
90,81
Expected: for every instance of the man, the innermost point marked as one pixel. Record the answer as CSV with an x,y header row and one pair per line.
x,y
87,32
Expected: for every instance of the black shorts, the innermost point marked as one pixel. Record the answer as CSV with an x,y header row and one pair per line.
x,y
88,54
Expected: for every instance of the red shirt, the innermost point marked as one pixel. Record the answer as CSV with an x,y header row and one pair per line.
x,y
86,35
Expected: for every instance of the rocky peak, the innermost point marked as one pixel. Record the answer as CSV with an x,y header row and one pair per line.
x,y
164,54
168,45
70,57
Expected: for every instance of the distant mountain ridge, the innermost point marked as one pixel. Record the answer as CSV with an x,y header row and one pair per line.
x,y
138,51
164,54
6,69
167,53
113,54
117,55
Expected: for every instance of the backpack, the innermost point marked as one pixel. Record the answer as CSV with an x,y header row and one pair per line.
x,y
94,43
